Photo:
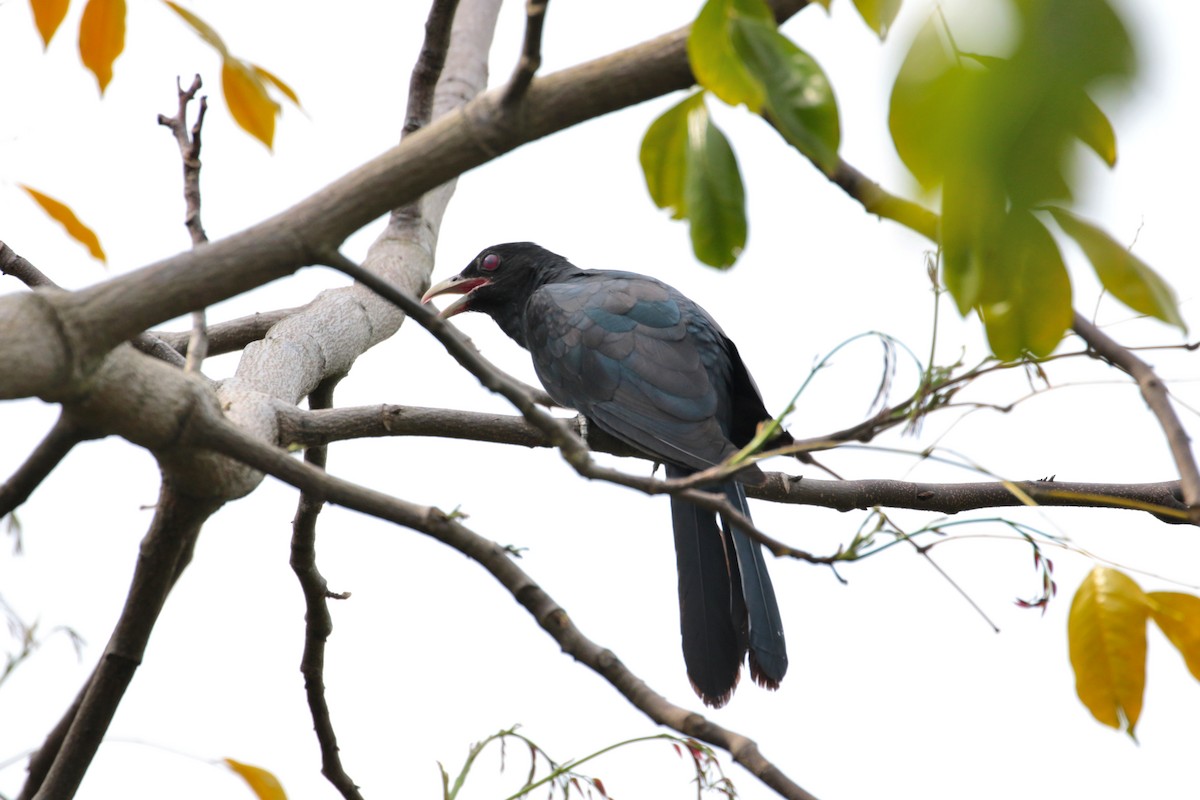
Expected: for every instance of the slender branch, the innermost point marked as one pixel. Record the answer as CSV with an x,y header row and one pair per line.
x,y
1162,499
13,264
531,52
1155,393
212,431
165,552
318,624
189,151
876,200
231,336
428,68
41,462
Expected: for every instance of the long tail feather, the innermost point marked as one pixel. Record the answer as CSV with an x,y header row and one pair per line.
x,y
714,639
768,651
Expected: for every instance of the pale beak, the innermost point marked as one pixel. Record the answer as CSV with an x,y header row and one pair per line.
x,y
456,285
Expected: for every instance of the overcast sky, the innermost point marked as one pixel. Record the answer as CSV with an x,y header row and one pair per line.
x,y
897,686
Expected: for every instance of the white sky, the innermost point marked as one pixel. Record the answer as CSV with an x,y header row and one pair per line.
x,y
896,688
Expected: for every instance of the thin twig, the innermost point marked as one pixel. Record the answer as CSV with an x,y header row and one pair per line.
x,y
428,68
40,463
13,264
318,624
230,336
531,52
422,86
189,151
1155,393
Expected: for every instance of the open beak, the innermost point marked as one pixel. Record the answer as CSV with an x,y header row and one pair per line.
x,y
456,285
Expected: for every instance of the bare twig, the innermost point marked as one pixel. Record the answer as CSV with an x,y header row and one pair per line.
x,y
231,336
1158,399
531,52
318,624
428,68
22,270
41,462
189,151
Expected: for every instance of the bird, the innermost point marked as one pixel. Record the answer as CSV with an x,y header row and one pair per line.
x,y
650,367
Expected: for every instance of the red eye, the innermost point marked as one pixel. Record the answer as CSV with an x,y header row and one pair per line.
x,y
490,262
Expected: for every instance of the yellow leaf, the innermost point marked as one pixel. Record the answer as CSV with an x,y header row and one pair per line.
x,y
1178,615
66,217
102,37
248,102
202,28
277,82
1106,633
48,15
264,785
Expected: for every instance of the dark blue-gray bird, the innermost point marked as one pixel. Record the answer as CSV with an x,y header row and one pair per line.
x,y
650,367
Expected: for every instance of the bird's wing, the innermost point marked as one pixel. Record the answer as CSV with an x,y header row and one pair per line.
x,y
638,359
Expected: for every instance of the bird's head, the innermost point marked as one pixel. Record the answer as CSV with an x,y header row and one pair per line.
x,y
499,279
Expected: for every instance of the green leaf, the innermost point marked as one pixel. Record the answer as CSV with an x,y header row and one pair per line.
x,y
1106,633
1096,131
799,99
1178,615
691,169
715,63
1010,120
972,226
713,193
1123,274
878,14
1026,297
663,156
928,88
